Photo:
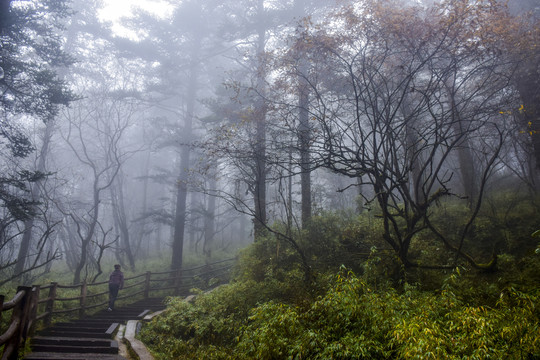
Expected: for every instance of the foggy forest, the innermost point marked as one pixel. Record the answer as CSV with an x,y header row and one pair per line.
x,y
348,153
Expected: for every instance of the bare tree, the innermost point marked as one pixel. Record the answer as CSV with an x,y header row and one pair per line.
x,y
94,134
102,246
39,256
388,63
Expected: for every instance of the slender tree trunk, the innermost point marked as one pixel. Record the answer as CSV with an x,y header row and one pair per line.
x,y
413,157
290,194
467,171
465,157
360,199
180,212
260,140
260,179
140,226
528,85
182,184
209,220
194,218
87,238
304,135
243,226
29,224
120,218
67,236
304,132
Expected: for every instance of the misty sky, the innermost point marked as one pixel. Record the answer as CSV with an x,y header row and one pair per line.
x,y
116,9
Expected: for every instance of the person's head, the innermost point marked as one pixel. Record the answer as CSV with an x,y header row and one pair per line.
x,y
116,267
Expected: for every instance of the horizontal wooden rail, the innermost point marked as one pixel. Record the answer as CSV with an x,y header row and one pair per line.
x,y
27,308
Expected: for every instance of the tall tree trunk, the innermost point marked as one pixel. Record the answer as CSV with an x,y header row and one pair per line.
x,y
120,218
304,132
360,199
67,236
185,153
290,193
467,171
528,86
260,140
87,238
180,210
413,157
465,156
194,219
140,225
209,220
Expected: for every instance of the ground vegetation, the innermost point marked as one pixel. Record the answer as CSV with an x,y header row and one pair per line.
x,y
362,303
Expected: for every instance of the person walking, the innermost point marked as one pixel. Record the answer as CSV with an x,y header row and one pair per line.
x,y
116,282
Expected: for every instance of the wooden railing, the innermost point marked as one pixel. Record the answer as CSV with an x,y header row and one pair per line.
x,y
28,307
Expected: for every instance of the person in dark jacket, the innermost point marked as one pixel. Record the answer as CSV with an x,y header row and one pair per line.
x,y
116,282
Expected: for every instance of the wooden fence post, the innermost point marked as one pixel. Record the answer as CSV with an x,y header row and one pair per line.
x,y
33,309
207,270
178,281
49,306
82,300
18,315
147,285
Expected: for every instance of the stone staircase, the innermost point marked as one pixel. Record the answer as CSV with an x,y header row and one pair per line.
x,y
89,338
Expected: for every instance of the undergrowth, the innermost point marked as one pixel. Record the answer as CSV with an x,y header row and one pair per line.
x,y
361,303
350,320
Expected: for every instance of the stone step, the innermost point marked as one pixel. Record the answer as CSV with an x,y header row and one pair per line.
x,y
70,333
75,349
84,325
72,356
89,338
72,341
105,332
119,318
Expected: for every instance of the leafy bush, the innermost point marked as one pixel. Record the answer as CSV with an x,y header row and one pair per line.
x,y
354,322
350,321
270,312
209,324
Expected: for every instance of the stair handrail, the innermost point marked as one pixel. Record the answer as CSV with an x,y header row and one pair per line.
x,y
18,329
26,302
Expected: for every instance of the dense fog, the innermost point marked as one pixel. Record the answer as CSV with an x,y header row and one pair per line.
x,y
190,128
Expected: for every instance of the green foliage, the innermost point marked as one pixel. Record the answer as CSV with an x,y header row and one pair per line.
x,y
275,265
321,240
350,321
332,327
512,217
270,312
200,327
272,329
354,322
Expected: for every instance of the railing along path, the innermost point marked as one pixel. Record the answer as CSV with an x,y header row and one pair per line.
x,y
28,307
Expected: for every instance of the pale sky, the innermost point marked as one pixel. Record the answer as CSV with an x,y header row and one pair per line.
x,y
115,9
